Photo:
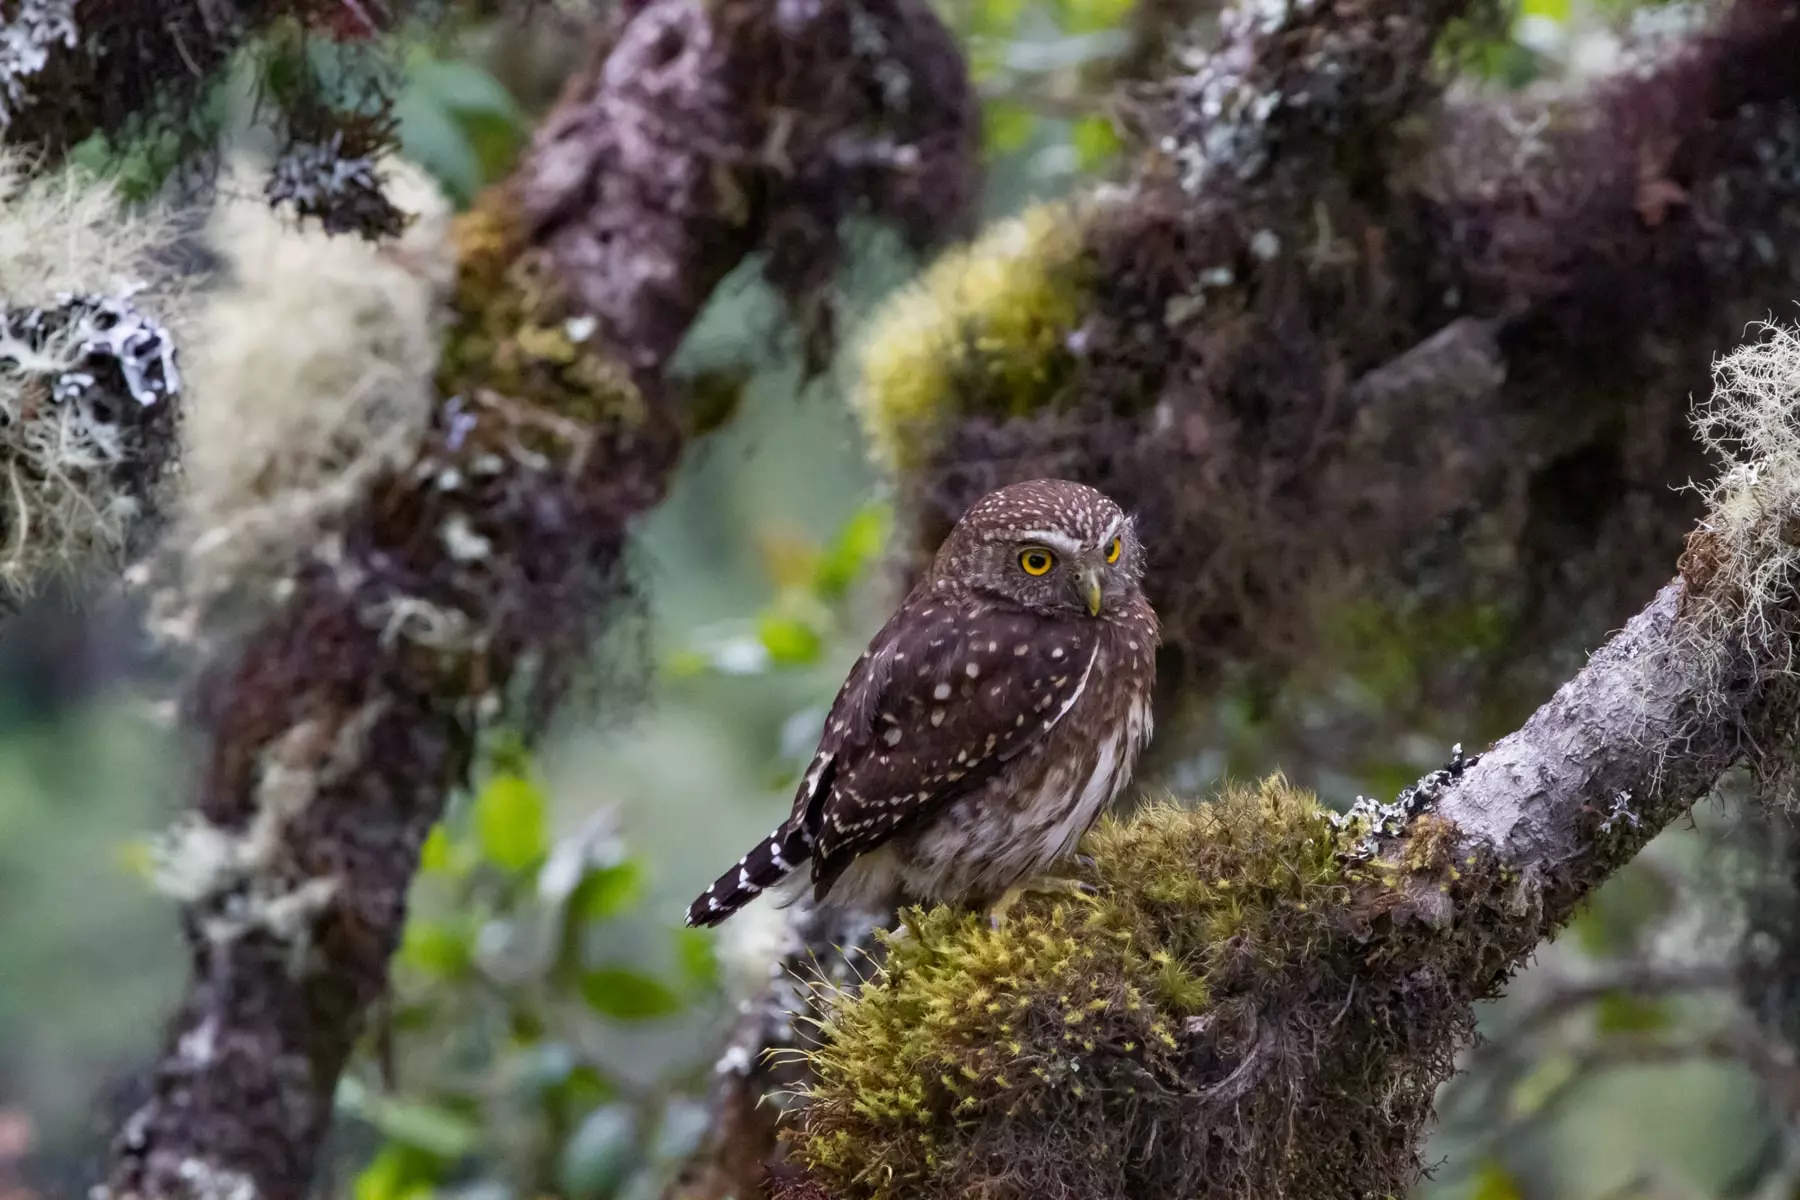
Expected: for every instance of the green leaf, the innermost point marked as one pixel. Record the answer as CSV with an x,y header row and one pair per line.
x,y
495,141
1622,1012
438,855
432,137
600,1154
627,995
586,1087
1542,1084
857,545
1095,142
1092,16
510,822
699,964
1008,126
996,16
789,641
426,1127
607,891
397,1173
433,1131
437,948
461,86
685,664
1494,1182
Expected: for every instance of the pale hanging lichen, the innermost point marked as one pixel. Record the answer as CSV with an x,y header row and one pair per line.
x,y
312,375
89,380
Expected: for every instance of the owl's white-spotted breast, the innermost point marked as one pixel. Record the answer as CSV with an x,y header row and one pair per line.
x,y
989,723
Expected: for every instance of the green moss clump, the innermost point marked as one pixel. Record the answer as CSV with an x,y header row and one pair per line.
x,y
985,330
514,332
1210,1023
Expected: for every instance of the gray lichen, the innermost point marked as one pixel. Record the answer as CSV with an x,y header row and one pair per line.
x,y
26,41
88,429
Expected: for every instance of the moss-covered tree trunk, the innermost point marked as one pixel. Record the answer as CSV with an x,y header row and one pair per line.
x,y
468,582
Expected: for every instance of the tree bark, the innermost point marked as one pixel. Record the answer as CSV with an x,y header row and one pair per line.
x,y
469,584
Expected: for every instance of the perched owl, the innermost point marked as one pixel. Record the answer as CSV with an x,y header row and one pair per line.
x,y
988,724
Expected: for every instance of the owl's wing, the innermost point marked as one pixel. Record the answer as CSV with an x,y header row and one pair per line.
x,y
944,697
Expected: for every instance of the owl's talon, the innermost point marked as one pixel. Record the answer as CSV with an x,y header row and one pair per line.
x,y
998,910
1043,885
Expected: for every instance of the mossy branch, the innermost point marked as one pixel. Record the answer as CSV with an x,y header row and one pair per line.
x,y
1262,997
1340,338
463,578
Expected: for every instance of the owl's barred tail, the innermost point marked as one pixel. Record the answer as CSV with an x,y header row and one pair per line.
x,y
773,860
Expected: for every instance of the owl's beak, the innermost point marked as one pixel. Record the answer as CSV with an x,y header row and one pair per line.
x,y
1090,590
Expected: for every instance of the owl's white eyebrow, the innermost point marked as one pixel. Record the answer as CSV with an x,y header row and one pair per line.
x,y
1117,525
1052,539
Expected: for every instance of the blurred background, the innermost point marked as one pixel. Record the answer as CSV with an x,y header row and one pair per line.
x,y
553,1027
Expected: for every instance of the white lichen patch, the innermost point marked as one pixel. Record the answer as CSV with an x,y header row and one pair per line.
x,y
239,881
1227,105
1748,547
26,40
88,374
209,1181
312,374
1370,821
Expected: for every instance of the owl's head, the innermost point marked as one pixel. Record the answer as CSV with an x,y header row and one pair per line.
x,y
1047,545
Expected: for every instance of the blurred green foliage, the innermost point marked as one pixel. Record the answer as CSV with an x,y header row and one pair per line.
x,y
812,590
452,116
457,122
523,952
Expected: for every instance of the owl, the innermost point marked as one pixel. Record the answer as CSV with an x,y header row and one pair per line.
x,y
991,720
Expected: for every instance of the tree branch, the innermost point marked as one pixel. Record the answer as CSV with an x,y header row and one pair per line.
x,y
1243,317
1256,1002
1349,341
466,582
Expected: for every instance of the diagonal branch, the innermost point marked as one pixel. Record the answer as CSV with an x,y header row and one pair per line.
x,y
1256,1002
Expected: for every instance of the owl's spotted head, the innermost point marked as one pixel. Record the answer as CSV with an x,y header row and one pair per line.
x,y
1048,545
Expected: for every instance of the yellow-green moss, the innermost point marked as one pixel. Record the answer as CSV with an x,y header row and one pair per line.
x,y
985,330
1078,1029
516,334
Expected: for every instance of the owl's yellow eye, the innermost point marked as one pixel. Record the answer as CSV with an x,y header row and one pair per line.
x,y
1037,561
1114,548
